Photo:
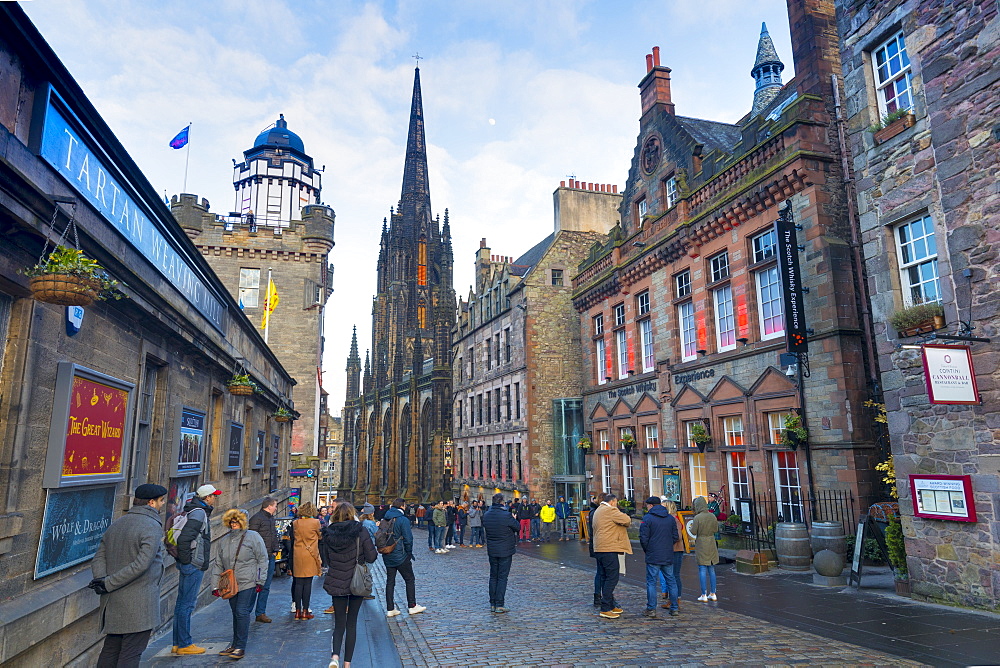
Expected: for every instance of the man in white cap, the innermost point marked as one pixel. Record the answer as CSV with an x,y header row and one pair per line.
x,y
194,556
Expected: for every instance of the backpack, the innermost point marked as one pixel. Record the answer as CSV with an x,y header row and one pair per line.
x,y
386,538
174,532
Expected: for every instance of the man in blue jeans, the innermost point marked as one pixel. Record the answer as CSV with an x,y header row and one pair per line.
x,y
562,512
657,535
501,544
194,556
263,523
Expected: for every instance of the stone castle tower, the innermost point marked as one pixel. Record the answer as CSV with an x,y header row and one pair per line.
x,y
279,225
400,415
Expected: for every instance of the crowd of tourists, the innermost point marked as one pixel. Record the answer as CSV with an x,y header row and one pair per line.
x,y
337,542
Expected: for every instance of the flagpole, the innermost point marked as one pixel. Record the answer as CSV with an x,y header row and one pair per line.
x,y
267,305
187,158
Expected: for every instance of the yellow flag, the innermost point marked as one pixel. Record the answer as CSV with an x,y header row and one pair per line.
x,y
270,303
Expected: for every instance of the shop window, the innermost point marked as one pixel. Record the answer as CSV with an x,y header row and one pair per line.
x,y
653,474
605,446
916,251
652,436
739,477
689,338
891,66
725,322
699,481
770,308
786,484
682,284
646,343
249,287
628,477
733,429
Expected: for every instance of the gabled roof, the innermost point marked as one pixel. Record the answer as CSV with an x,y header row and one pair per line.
x,y
523,264
711,134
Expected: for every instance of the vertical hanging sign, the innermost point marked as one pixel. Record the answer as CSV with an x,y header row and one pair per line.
x,y
791,283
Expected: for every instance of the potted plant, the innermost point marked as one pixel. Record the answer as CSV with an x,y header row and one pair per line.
x,y
892,124
896,547
918,319
69,278
626,506
794,433
584,443
241,384
700,435
283,415
628,440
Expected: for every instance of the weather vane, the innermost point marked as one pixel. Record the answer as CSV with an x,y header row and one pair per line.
x,y
418,57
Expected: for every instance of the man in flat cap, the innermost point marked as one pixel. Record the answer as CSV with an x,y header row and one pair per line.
x,y
127,570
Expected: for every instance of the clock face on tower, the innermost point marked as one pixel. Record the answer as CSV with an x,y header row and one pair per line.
x,y
650,155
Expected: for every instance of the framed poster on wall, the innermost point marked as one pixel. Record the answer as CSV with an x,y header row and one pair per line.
x,y
234,450
190,441
87,432
943,497
258,460
72,525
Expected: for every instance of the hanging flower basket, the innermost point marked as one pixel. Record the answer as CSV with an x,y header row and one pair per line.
x,y
628,441
69,278
283,415
794,434
584,443
241,385
700,436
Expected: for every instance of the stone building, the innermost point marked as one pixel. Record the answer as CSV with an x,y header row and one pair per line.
x,y
288,242
135,392
397,417
688,380
928,202
517,408
329,465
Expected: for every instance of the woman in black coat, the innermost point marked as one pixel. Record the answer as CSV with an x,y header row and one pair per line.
x,y
345,542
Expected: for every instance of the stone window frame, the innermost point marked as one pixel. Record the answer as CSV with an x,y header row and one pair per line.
x,y
646,349
718,266
688,336
601,360
599,324
682,284
556,277
670,197
903,269
249,288
641,209
719,316
884,83
642,303
619,313
758,292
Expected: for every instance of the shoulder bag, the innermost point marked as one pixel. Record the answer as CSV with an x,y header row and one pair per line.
x,y
361,581
228,586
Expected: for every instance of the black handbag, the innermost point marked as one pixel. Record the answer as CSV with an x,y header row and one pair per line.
x,y
361,581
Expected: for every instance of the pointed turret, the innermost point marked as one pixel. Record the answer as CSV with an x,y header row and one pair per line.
x,y
415,201
368,373
767,68
354,368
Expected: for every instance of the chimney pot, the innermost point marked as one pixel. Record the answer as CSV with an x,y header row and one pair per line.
x,y
614,190
649,62
656,56
482,243
562,184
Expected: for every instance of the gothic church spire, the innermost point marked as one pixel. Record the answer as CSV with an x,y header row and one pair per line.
x,y
415,201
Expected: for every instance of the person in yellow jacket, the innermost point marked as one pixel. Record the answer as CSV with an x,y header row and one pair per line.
x,y
610,540
548,515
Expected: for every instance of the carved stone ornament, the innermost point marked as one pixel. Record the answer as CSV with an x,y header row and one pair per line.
x,y
650,154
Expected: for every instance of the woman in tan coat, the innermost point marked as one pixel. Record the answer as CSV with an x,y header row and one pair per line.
x,y
706,550
306,563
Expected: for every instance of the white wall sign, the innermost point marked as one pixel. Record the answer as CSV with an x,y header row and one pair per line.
x,y
949,374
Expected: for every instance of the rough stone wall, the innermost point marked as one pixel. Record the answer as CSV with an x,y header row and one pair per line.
x,y
945,166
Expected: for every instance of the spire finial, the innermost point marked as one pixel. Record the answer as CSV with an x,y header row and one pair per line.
x,y
766,71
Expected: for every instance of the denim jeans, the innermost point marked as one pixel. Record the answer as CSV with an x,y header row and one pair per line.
x,y
653,574
598,580
439,537
187,595
678,562
706,573
477,538
460,532
536,528
499,570
430,535
241,605
263,594
547,530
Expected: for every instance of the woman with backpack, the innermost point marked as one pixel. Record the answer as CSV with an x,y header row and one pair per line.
x,y
394,541
306,562
345,543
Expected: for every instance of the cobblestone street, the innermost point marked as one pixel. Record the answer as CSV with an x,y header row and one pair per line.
x,y
552,623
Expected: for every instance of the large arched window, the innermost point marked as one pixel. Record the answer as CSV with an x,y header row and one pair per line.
x,y
370,437
425,446
422,262
386,447
405,432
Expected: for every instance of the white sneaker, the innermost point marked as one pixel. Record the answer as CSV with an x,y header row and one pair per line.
x,y
293,608
392,613
703,598
713,597
442,551
415,609
334,663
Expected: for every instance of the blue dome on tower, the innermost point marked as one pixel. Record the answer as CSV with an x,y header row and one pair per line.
x,y
280,137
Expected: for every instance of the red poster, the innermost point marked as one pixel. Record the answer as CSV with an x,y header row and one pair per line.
x,y
742,322
608,354
702,332
95,432
631,353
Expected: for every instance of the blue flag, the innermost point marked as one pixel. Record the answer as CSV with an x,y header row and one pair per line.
x,y
181,140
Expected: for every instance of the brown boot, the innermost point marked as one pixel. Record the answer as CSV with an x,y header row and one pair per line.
x,y
264,619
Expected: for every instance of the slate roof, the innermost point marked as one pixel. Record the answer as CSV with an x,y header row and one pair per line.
x,y
523,264
766,53
711,134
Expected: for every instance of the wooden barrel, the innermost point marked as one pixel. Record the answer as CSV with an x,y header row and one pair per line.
x,y
829,536
791,542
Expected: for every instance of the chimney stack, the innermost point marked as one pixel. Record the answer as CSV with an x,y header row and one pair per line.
x,y
654,89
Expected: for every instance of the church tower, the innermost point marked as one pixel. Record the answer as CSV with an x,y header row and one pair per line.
x,y
766,72
399,445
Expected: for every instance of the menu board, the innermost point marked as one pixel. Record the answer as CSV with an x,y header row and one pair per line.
x,y
234,454
943,497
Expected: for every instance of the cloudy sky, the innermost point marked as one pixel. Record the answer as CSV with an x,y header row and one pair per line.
x,y
517,96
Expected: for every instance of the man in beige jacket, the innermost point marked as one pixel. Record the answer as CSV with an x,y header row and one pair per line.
x,y
610,540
